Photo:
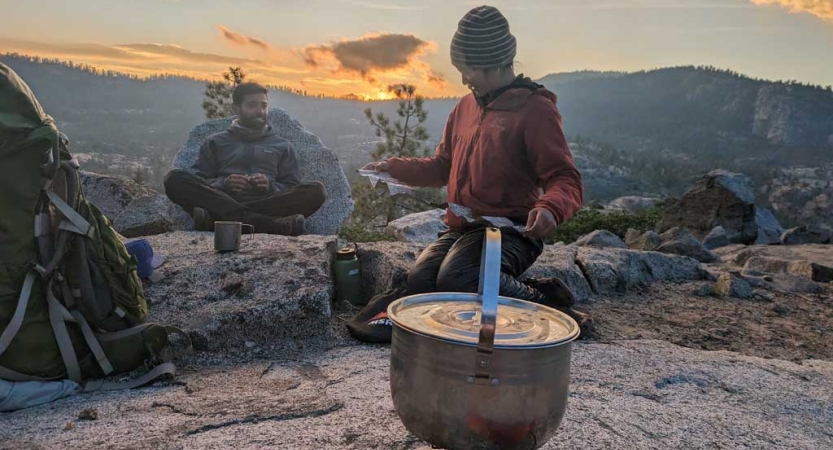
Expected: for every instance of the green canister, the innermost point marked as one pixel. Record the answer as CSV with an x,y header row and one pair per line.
x,y
348,276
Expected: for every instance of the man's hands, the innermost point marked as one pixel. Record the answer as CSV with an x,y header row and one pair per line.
x,y
540,223
259,183
379,166
237,183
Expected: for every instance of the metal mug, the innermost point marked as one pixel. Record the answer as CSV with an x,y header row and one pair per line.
x,y
227,235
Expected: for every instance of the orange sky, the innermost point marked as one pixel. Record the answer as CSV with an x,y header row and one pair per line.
x,y
341,47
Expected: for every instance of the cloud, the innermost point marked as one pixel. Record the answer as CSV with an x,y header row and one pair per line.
x,y
372,53
145,57
242,39
822,9
364,66
436,79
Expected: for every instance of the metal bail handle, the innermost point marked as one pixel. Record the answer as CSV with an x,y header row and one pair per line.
x,y
489,290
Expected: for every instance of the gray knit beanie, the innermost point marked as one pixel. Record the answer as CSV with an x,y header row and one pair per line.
x,y
483,40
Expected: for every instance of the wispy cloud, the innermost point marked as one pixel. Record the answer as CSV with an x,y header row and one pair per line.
x,y
146,58
364,67
242,39
822,9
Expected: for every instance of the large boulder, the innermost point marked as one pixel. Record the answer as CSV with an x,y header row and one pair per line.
x,y
648,241
601,239
317,163
720,198
135,210
422,227
680,241
275,290
614,271
561,261
769,229
145,216
716,238
111,194
385,265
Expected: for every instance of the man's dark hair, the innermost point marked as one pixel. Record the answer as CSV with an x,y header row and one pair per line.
x,y
243,89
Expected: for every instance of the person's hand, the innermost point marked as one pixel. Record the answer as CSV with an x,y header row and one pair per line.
x,y
237,183
379,166
259,183
540,223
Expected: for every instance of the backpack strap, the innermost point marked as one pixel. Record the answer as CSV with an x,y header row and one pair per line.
x,y
58,316
17,319
157,372
93,343
80,225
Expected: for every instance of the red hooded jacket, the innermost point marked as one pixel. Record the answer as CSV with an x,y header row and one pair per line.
x,y
497,159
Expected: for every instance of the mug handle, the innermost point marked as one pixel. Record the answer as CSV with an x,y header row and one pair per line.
x,y
252,234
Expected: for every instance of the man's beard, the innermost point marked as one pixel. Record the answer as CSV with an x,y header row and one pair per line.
x,y
253,122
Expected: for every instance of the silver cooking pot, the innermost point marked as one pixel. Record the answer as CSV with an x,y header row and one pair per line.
x,y
465,376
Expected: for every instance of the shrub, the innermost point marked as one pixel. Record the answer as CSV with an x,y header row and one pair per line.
x,y
357,232
618,222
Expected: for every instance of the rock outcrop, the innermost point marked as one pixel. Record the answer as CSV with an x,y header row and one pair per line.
x,y
802,195
623,394
421,228
316,162
276,290
648,241
806,235
716,238
601,239
769,229
813,262
134,210
720,198
784,117
676,241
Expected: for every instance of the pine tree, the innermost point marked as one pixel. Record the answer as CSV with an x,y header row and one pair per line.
x,y
140,175
217,103
404,137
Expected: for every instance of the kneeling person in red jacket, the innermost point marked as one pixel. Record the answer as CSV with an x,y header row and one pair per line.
x,y
503,154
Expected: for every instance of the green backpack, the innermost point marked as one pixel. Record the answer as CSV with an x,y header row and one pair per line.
x,y
71,302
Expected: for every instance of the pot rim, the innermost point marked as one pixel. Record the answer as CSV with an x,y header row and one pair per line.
x,y
461,296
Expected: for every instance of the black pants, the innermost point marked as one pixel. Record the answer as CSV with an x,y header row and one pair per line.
x,y
452,264
190,191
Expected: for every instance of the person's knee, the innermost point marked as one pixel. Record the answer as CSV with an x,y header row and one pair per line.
x,y
317,193
174,178
458,280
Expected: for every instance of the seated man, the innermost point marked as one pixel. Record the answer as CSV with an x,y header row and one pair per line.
x,y
247,173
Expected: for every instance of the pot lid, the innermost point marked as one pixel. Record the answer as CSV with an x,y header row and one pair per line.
x,y
455,317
